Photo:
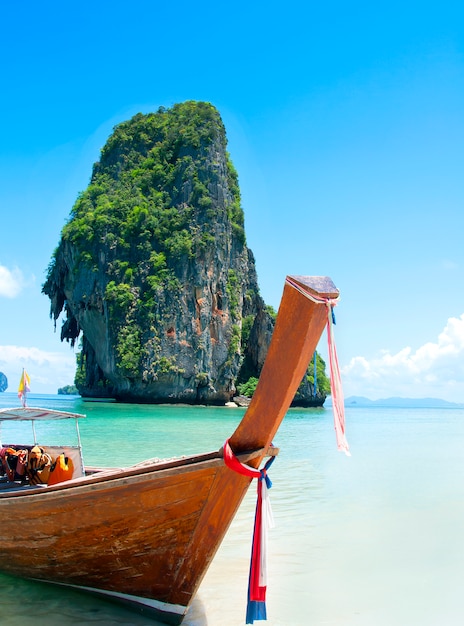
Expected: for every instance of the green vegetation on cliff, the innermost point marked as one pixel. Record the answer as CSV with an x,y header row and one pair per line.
x,y
152,270
306,389
149,209
158,231
152,177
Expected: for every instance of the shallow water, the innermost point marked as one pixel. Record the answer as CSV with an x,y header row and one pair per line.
x,y
375,539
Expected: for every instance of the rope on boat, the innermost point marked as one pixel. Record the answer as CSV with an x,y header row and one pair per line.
x,y
338,404
257,582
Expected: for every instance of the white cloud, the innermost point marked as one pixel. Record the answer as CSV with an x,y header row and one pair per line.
x,y
11,282
48,370
433,370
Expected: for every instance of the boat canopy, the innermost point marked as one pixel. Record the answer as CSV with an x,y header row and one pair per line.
x,y
30,413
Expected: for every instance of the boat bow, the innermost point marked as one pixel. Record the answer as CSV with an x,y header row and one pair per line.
x,y
300,322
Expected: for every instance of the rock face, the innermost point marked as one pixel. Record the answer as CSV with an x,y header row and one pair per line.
x,y
152,268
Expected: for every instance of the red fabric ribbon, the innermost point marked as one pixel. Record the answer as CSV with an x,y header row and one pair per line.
x,y
257,586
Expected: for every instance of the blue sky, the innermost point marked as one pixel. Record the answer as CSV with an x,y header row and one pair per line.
x,y
345,123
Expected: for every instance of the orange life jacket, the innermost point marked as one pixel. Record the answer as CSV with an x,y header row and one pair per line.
x,y
38,466
62,470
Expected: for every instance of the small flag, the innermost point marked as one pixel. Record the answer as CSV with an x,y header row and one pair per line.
x,y
23,388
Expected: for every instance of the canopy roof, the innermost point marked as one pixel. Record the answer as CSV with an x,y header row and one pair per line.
x,y
30,413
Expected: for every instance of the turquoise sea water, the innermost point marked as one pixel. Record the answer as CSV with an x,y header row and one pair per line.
x,y
375,539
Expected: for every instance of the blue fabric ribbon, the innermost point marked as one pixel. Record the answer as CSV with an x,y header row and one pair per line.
x,y
333,314
257,610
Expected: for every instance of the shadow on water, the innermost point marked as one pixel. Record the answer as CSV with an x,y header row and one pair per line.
x,y
23,601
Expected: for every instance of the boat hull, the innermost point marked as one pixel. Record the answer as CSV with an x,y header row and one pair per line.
x,y
144,537
147,534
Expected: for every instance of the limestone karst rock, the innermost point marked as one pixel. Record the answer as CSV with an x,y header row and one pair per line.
x,y
152,272
152,267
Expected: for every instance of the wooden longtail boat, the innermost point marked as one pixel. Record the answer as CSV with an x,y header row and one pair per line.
x,y
146,534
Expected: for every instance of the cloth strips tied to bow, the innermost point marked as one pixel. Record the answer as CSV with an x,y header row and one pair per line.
x,y
257,582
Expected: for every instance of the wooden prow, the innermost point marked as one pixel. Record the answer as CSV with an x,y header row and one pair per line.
x,y
299,325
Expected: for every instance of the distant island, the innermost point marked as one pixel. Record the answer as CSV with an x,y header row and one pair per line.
x,y
68,390
397,402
